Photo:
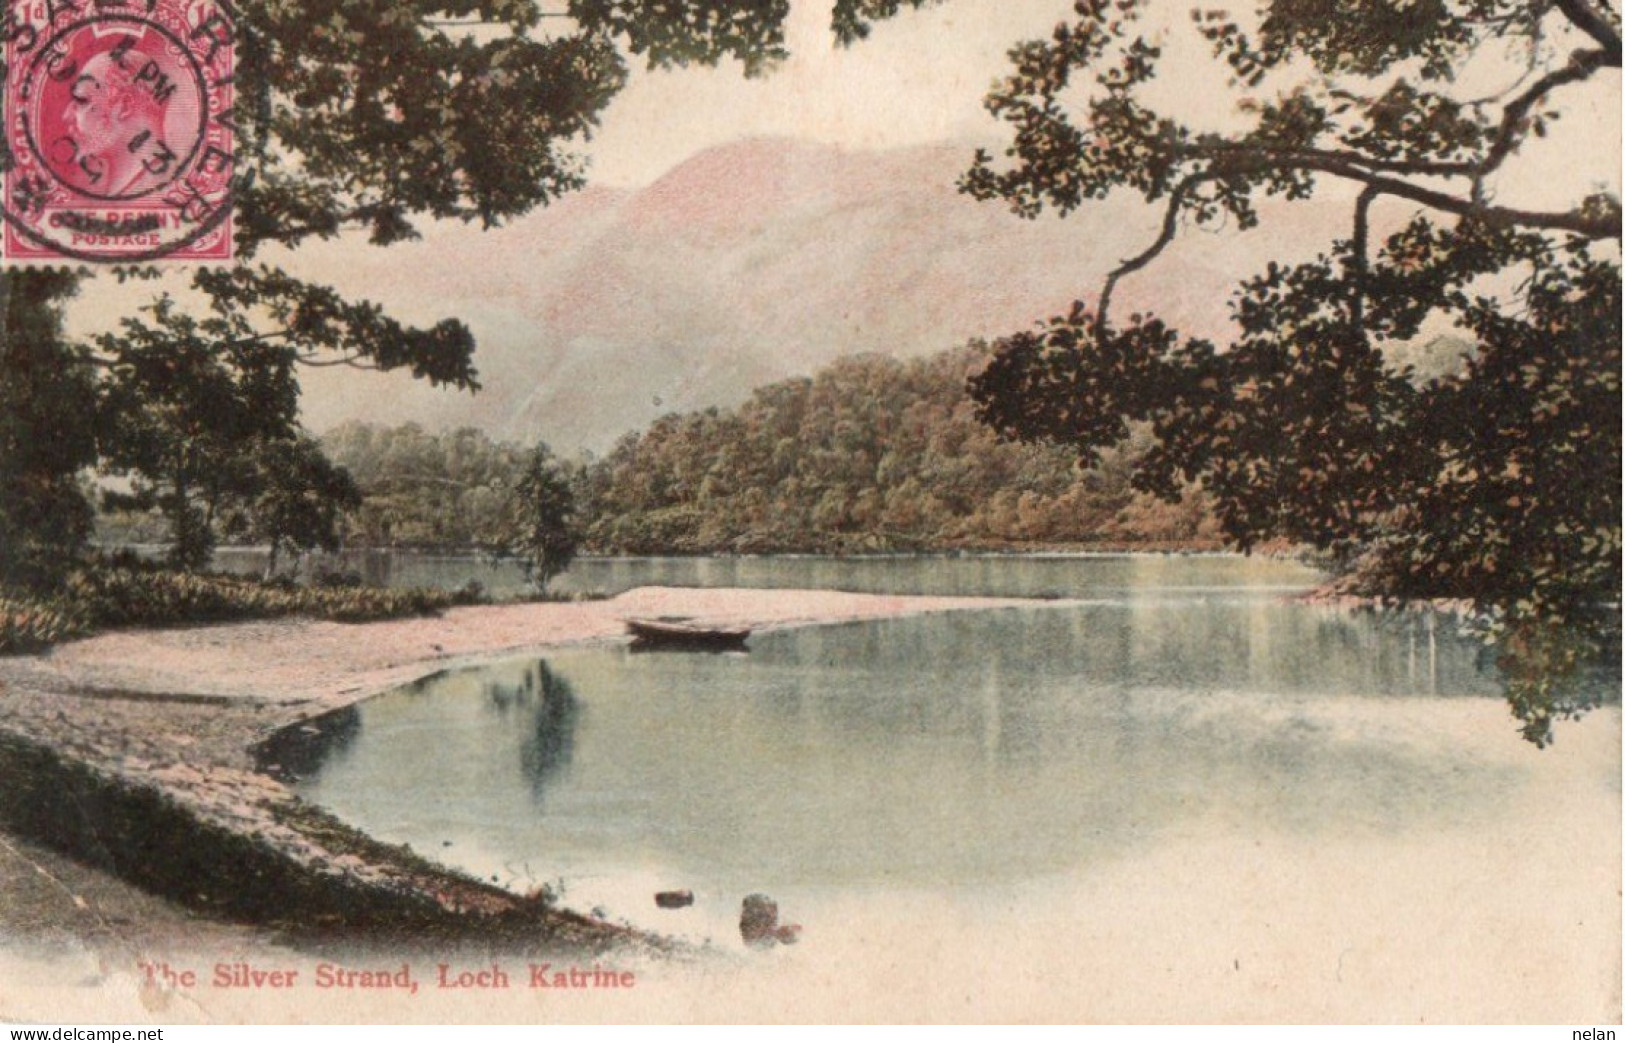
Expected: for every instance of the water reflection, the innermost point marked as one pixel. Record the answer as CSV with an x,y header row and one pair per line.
x,y
551,732
947,749
1035,576
525,708
302,750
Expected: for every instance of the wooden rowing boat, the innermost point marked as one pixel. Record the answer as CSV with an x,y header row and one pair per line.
x,y
684,632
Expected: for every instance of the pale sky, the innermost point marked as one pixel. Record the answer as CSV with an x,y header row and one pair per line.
x,y
919,78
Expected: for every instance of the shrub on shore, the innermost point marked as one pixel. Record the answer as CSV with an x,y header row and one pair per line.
x,y
28,626
133,594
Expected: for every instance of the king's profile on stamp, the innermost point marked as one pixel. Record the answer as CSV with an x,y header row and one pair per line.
x,y
118,132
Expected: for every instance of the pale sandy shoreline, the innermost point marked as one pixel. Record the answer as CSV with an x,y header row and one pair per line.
x,y
319,666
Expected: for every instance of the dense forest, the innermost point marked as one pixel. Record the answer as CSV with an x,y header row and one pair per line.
x,y
425,490
871,454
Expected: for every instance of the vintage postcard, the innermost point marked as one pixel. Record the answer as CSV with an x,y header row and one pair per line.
x,y
813,511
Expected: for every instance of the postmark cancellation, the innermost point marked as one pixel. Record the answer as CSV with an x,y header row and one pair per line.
x,y
119,140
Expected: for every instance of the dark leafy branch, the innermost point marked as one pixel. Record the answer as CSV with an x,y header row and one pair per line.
x,y
373,113
316,321
1310,424
1400,143
1514,119
350,116
1595,24
1170,229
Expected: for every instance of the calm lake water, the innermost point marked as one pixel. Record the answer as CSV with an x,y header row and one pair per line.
x,y
986,575
941,754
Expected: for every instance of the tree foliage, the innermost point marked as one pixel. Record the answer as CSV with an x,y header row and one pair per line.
x,y
182,418
350,116
299,500
460,490
1497,482
540,519
47,390
706,31
420,489
869,454
369,113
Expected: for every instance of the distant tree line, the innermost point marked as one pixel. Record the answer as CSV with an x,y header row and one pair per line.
x,y
362,485
459,489
422,489
871,454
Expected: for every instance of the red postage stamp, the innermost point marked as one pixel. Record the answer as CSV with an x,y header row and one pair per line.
x,y
118,141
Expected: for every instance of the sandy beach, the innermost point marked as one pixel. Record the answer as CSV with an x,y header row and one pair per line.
x,y
304,667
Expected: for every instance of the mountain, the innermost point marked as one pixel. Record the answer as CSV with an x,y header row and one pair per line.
x,y
745,264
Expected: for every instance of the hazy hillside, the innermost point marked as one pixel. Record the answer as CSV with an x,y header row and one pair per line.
x,y
747,264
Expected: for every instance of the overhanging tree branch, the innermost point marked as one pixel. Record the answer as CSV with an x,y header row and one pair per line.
x,y
1580,66
1170,228
1286,156
1603,225
1359,248
1315,422
306,360
1593,24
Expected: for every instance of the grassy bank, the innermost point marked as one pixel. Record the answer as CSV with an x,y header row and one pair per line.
x,y
286,865
130,593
